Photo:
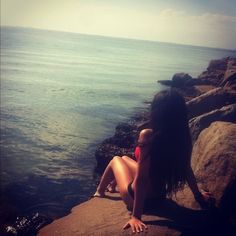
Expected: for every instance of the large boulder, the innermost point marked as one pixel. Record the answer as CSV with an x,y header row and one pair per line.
x,y
212,77
215,72
211,100
214,163
199,123
220,64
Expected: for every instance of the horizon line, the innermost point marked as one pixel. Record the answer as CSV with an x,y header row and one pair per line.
x,y
118,37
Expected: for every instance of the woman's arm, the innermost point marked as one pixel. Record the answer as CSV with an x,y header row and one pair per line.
x,y
140,183
142,175
205,199
139,186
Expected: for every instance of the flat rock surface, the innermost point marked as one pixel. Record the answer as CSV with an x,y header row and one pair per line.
x,y
107,216
103,216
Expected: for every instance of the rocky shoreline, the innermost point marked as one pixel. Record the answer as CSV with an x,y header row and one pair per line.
x,y
211,101
207,98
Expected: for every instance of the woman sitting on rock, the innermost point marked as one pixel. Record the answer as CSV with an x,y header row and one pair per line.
x,y
164,161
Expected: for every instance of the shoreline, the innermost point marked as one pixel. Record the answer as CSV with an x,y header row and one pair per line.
x,y
123,140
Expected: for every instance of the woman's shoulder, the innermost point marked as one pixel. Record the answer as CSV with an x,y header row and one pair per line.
x,y
146,133
145,136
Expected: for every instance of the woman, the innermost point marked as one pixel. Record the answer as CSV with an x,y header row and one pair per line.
x,y
163,165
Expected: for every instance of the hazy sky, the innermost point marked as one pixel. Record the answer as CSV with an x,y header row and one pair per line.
x,y
197,22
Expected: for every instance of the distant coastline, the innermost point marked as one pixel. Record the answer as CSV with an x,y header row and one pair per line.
x,y
120,38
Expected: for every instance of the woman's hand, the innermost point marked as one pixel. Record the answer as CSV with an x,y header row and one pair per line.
x,y
135,224
205,199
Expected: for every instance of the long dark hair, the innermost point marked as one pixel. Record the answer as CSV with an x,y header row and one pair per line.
x,y
171,145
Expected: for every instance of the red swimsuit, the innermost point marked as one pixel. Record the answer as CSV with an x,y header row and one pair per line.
x,y
136,153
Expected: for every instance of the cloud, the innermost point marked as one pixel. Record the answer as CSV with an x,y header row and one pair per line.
x,y
206,29
169,25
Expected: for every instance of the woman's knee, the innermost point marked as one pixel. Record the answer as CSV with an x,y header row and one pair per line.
x,y
125,158
115,159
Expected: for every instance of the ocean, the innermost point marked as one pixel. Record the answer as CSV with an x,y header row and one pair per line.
x,y
64,93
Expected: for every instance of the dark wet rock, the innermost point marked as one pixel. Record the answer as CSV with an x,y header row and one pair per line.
x,y
125,135
214,99
165,82
106,151
180,79
27,225
122,143
199,123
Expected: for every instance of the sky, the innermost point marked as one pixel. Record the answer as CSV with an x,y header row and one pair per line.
x,y
210,23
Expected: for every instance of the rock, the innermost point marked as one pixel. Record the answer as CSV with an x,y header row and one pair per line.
x,y
212,77
125,135
100,216
204,88
106,151
214,99
197,124
197,81
107,216
122,143
165,82
180,79
214,163
188,92
230,74
220,64
27,225
215,72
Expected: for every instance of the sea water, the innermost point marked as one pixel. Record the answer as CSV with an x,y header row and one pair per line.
x,y
62,94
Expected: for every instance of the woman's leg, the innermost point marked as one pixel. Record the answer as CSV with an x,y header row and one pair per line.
x,y
132,165
123,175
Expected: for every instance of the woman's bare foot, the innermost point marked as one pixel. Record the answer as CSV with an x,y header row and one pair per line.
x,y
111,188
98,194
